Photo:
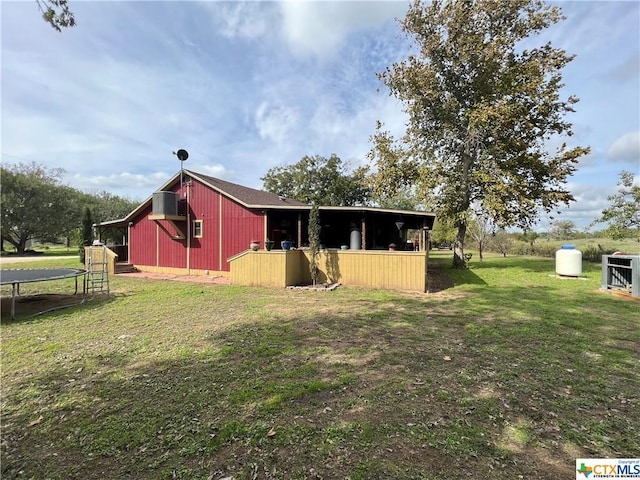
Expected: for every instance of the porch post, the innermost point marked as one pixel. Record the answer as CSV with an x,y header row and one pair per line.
x,y
299,229
363,233
266,231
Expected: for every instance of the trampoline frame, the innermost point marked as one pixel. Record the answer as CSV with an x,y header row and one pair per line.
x,y
30,275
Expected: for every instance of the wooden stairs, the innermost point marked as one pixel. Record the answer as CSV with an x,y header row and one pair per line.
x,y
122,267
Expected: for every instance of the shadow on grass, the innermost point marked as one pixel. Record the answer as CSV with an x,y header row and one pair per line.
x,y
531,264
399,388
442,276
47,305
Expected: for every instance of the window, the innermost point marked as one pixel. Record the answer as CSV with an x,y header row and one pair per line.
x,y
197,229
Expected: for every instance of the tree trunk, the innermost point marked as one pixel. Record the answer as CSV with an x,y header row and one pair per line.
x,y
480,250
20,244
458,247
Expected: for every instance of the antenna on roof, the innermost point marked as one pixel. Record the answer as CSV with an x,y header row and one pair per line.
x,y
182,155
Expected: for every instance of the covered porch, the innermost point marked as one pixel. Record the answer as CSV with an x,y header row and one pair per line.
x,y
353,228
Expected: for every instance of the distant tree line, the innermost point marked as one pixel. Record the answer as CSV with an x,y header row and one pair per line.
x,y
35,205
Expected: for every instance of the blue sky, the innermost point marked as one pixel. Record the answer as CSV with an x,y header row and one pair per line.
x,y
246,86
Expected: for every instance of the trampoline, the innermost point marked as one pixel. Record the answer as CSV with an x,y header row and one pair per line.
x,y
15,277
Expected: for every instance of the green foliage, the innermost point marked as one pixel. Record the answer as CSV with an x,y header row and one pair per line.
x,y
314,242
502,242
480,109
563,229
57,13
87,227
87,232
592,253
403,200
105,206
480,229
395,174
34,204
623,214
443,231
528,236
319,180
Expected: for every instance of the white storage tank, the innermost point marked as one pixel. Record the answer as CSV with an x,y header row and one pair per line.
x,y
568,261
355,242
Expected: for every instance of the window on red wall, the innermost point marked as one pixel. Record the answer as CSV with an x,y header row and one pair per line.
x,y
197,229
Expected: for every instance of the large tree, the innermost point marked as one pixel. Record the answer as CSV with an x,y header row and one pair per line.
x,y
106,206
483,111
318,180
34,204
623,213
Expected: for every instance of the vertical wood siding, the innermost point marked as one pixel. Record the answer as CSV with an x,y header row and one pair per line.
x,y
368,268
142,240
203,205
152,246
240,227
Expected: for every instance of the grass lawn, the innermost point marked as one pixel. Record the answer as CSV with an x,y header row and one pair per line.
x,y
505,372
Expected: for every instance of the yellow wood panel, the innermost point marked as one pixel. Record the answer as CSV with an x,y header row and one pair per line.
x,y
259,268
96,255
373,268
368,268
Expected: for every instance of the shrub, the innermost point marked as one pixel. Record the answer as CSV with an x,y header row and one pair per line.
x,y
592,253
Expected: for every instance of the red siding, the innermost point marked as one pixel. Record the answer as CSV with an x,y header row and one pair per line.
x,y
203,205
142,240
239,226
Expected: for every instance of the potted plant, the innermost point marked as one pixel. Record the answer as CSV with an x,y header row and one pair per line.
x,y
254,245
268,245
285,244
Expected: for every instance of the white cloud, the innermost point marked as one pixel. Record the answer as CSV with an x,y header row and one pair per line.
x,y
275,123
626,149
320,27
122,183
247,20
213,170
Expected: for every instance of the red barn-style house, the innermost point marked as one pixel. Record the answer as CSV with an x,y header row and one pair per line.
x,y
195,224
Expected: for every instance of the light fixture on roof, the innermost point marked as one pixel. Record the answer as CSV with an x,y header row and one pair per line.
x,y
399,225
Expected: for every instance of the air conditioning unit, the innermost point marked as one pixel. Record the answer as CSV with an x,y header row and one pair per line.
x,y
165,203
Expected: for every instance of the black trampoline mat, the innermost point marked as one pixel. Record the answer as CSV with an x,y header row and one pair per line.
x,y
25,275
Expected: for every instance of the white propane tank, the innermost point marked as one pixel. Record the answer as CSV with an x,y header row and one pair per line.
x,y
568,261
355,240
